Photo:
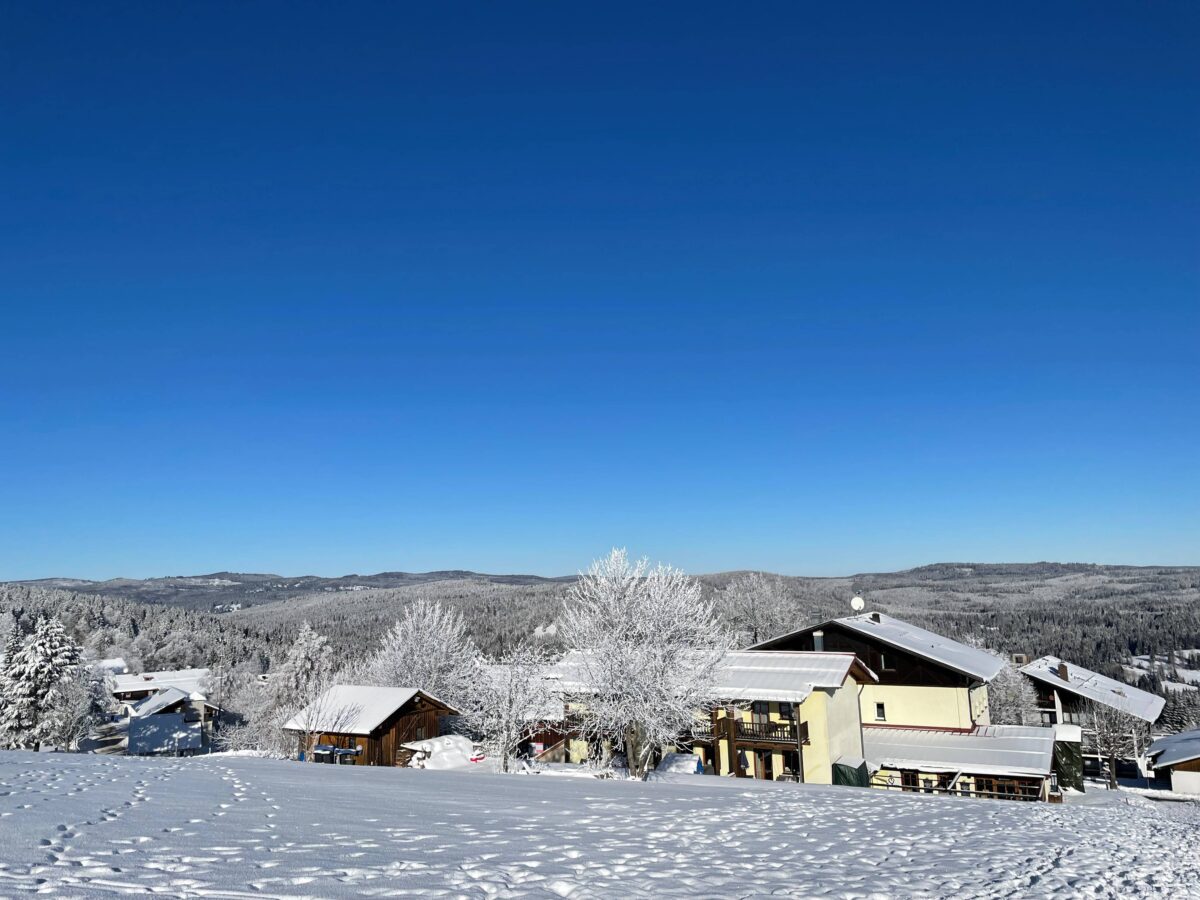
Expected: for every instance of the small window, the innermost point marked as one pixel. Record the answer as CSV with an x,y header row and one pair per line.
x,y
785,711
880,713
885,664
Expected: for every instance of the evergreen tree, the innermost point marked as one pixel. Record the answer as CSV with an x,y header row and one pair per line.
x,y
12,649
36,681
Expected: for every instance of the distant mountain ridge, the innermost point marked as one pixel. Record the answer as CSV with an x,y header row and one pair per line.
x,y
223,589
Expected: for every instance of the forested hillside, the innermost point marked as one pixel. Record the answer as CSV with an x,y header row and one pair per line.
x,y
1096,616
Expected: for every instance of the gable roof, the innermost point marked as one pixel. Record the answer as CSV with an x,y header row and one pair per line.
x,y
354,709
189,681
784,675
1098,688
988,750
1175,748
157,702
952,654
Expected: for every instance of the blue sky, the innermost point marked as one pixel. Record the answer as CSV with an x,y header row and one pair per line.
x,y
301,289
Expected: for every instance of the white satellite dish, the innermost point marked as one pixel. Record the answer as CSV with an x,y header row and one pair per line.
x,y
857,604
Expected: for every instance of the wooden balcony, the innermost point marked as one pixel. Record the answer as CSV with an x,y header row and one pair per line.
x,y
754,732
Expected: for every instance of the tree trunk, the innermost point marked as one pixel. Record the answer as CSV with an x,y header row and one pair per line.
x,y
1112,773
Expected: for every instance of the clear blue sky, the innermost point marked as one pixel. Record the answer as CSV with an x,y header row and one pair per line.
x,y
324,289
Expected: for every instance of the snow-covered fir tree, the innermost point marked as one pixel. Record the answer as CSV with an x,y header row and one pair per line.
x,y
36,685
427,648
9,726
650,645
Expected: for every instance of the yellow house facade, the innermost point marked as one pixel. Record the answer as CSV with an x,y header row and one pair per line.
x,y
925,680
782,716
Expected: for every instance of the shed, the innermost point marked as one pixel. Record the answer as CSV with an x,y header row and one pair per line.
x,y
1178,756
375,721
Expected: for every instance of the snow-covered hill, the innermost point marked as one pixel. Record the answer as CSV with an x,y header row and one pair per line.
x,y
238,827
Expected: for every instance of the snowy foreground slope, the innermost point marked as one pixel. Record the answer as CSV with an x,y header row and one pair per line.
x,y
75,825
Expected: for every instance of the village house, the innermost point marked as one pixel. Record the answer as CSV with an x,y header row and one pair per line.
x,y
170,721
1065,691
127,688
780,716
1176,762
1008,762
925,680
786,716
367,725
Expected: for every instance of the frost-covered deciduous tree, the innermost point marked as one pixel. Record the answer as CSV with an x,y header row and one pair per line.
x,y
428,649
303,677
1112,734
757,607
650,645
35,684
1012,699
509,701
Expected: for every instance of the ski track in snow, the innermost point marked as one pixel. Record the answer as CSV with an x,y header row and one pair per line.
x,y
84,826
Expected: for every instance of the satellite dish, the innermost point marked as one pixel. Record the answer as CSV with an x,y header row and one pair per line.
x,y
857,604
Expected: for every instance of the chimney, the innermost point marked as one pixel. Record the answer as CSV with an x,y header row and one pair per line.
x,y
874,617
1062,671
819,641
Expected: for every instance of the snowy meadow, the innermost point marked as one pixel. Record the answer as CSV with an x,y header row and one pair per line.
x,y
230,826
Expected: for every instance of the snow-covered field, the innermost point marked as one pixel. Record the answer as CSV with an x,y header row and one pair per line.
x,y
87,825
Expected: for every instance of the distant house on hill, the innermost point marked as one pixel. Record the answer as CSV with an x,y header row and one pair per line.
x,y
367,725
1176,761
1064,691
925,680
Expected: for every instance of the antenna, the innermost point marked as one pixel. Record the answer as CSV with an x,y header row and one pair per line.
x,y
857,604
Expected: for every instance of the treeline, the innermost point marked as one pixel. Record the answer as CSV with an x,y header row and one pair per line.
x,y
148,637
1094,616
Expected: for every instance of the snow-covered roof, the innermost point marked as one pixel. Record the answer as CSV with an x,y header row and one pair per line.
x,y
785,675
906,636
1099,688
353,709
114,666
988,750
1175,748
190,681
894,632
157,702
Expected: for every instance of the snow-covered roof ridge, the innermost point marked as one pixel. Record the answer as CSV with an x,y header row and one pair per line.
x,y
158,701
1175,748
1096,687
960,657
354,708
187,680
786,675
988,750
921,642
783,675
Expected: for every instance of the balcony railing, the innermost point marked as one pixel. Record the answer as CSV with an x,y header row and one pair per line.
x,y
761,732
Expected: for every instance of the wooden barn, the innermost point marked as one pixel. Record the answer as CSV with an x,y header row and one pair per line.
x,y
366,726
